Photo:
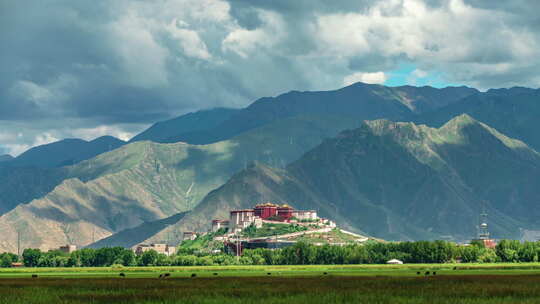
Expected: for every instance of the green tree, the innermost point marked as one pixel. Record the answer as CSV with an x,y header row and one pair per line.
x,y
300,253
185,260
487,255
470,254
108,255
528,252
204,261
7,258
31,257
507,250
127,258
149,258
163,260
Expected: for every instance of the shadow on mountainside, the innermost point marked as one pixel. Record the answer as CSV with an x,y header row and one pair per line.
x,y
131,237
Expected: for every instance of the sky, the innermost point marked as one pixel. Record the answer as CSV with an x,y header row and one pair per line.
x,y
91,68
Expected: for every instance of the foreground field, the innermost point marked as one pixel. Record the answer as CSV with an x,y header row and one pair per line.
x,y
277,284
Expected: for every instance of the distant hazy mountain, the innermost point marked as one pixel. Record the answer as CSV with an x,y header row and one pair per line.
x,y
397,181
514,112
5,157
65,152
202,120
360,101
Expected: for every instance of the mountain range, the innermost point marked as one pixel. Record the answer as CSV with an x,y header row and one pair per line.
x,y
359,101
397,181
379,177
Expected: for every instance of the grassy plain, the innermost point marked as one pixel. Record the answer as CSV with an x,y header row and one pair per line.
x,y
468,283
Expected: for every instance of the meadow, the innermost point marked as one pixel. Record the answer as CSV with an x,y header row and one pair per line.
x,y
453,283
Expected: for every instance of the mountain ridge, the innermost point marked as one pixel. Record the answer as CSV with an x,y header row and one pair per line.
x,y
360,100
194,121
65,152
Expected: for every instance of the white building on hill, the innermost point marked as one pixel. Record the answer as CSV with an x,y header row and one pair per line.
x,y
305,214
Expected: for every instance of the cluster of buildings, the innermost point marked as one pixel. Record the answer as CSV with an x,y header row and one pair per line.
x,y
159,248
241,219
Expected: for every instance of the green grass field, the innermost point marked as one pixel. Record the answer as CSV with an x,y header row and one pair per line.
x,y
468,283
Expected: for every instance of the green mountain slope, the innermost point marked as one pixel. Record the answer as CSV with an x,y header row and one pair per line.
x,y
197,121
514,112
146,181
397,181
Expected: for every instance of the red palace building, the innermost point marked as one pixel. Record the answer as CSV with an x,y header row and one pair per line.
x,y
265,211
285,212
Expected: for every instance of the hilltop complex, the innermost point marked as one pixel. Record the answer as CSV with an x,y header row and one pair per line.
x,y
270,225
268,212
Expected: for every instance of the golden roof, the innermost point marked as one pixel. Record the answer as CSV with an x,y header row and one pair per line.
x,y
268,204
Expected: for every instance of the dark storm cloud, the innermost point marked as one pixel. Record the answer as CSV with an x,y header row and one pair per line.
x,y
85,68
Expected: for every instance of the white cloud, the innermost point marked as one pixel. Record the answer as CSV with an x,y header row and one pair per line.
x,y
103,130
419,73
374,78
82,69
32,91
189,40
447,38
52,93
14,148
244,42
142,58
416,75
44,138
16,138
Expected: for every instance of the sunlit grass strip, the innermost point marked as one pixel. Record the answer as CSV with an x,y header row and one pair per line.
x,y
301,269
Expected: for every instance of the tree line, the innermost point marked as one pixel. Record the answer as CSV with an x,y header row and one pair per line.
x,y
298,254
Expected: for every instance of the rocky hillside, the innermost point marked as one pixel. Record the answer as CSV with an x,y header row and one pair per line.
x,y
397,181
